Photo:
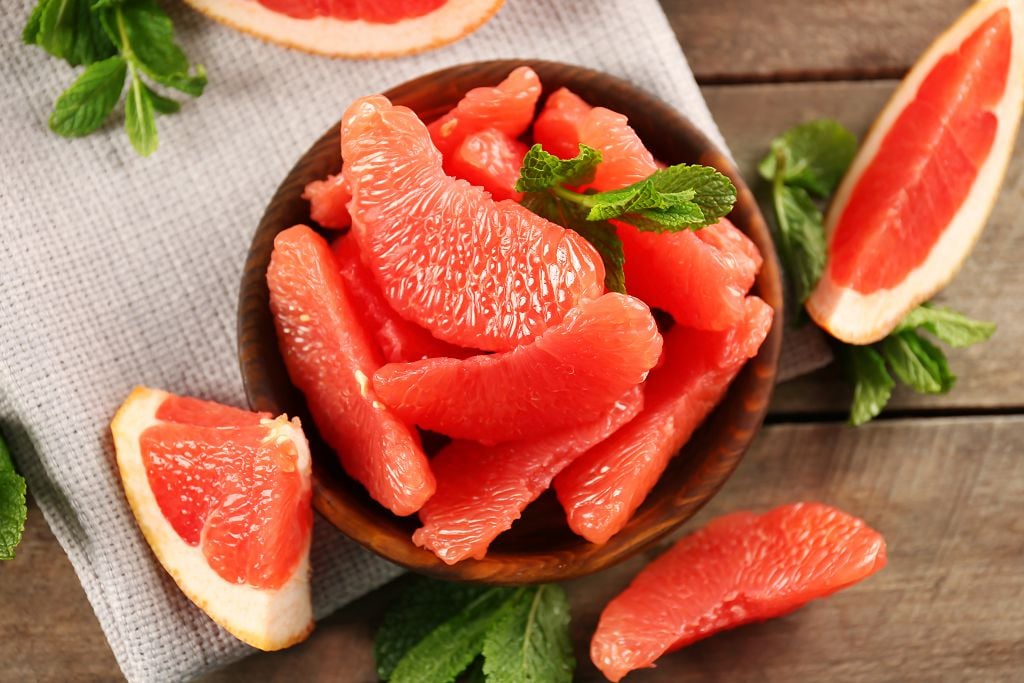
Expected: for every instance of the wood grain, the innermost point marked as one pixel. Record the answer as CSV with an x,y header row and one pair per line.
x,y
734,41
991,375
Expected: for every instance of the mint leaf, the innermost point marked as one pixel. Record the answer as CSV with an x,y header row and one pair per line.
x,y
13,509
813,156
139,120
672,219
800,236
84,106
542,170
30,34
872,383
424,606
163,105
917,363
68,30
641,195
452,646
954,328
529,639
713,192
150,33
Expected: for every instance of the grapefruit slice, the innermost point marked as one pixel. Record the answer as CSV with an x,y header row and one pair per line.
x,y
602,488
328,202
557,125
489,159
920,190
507,107
740,568
472,271
397,339
331,359
482,490
223,498
353,28
572,374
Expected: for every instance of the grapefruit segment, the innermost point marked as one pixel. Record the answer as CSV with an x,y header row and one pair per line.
x,y
602,488
920,189
225,507
740,568
570,375
472,271
331,359
482,490
328,202
489,159
353,28
557,125
397,339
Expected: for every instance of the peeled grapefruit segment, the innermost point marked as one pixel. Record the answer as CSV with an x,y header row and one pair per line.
x,y
507,107
699,277
331,359
482,490
572,374
557,125
397,339
353,28
223,498
740,568
920,190
328,202
472,271
602,488
489,159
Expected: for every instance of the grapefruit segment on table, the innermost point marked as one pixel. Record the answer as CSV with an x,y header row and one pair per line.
x,y
602,488
222,496
397,339
920,190
489,159
570,375
472,271
328,202
353,28
740,568
482,490
331,358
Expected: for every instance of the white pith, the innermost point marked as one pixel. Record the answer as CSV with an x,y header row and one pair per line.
x,y
859,318
336,38
266,619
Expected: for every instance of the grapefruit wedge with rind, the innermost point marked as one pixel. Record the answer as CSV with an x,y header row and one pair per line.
x,y
353,28
602,488
482,490
570,375
740,568
472,271
921,188
222,496
331,358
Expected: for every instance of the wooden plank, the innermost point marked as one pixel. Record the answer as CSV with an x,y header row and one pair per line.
x,y
740,41
991,375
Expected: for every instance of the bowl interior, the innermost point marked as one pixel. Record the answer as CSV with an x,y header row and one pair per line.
x,y
540,546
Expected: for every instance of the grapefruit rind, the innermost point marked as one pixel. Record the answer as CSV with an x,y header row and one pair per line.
x,y
858,318
265,619
357,38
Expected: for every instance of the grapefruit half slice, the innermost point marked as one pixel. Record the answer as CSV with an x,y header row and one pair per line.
x,y
222,496
921,188
740,568
353,28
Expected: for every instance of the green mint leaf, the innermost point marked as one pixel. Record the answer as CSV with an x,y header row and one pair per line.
x,y
872,383
713,192
451,647
162,105
683,216
145,36
84,106
139,119
424,606
813,156
542,170
30,34
529,639
69,30
800,237
954,328
13,509
917,363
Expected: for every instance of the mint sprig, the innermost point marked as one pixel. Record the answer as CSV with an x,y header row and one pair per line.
x,y
438,630
119,42
13,510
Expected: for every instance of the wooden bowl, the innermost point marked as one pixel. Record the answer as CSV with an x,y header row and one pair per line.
x,y
540,547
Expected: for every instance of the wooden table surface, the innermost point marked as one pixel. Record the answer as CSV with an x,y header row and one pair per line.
x,y
942,477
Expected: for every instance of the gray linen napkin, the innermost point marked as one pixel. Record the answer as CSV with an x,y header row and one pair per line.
x,y
118,270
